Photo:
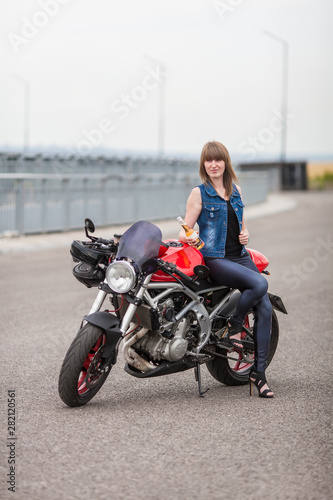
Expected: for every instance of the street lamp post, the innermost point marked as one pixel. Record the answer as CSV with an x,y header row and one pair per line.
x,y
161,115
26,133
284,98
161,105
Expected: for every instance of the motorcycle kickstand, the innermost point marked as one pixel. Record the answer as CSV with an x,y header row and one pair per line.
x,y
197,373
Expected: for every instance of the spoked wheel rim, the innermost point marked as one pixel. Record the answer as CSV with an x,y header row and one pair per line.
x,y
90,375
242,363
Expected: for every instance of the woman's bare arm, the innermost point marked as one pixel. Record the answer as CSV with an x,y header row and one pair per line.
x,y
193,209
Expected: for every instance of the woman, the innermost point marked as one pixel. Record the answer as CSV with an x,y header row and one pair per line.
x,y
217,207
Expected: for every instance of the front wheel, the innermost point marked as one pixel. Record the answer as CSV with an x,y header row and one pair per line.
x,y
80,375
236,371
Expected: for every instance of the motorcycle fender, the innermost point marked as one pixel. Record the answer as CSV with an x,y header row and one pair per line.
x,y
277,303
110,324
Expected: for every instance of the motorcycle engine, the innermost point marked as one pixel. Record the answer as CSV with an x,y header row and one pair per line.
x,y
157,347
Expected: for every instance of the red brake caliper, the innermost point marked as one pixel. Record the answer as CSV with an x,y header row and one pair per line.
x,y
81,384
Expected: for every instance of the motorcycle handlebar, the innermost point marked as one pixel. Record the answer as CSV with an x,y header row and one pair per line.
x,y
171,268
105,242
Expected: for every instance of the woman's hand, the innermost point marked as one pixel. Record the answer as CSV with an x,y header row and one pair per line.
x,y
193,239
244,237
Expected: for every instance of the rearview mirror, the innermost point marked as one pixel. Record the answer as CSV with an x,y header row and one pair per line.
x,y
89,226
201,271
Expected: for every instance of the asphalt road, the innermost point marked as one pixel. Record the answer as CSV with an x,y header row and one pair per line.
x,y
155,439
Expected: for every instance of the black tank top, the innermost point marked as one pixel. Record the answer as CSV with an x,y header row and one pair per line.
x,y
232,246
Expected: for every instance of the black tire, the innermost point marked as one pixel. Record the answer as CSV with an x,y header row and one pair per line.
x,y
221,369
79,379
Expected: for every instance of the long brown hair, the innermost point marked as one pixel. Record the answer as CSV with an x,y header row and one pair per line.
x,y
216,151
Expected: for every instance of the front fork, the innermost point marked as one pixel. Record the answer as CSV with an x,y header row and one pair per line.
x,y
128,316
99,300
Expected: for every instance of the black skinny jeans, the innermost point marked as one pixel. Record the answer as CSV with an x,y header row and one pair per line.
x,y
242,273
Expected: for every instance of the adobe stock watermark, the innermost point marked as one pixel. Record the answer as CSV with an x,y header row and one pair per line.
x,y
121,108
294,276
225,7
266,135
31,27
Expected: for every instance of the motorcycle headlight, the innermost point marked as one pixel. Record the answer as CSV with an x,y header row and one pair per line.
x,y
120,276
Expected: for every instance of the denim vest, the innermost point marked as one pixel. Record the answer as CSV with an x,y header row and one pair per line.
x,y
213,220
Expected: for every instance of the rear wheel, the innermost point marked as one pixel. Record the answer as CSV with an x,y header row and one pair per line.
x,y
80,375
236,371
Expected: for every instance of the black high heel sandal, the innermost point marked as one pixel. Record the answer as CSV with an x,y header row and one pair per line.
x,y
259,380
231,330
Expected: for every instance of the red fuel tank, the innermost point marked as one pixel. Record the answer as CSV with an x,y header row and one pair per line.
x,y
183,255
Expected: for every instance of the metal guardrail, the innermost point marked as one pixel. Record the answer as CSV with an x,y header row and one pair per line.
x,y
37,203
43,202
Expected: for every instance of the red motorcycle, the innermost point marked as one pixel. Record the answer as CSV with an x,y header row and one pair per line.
x,y
164,309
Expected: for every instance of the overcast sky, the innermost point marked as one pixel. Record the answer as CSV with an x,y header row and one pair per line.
x,y
97,69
